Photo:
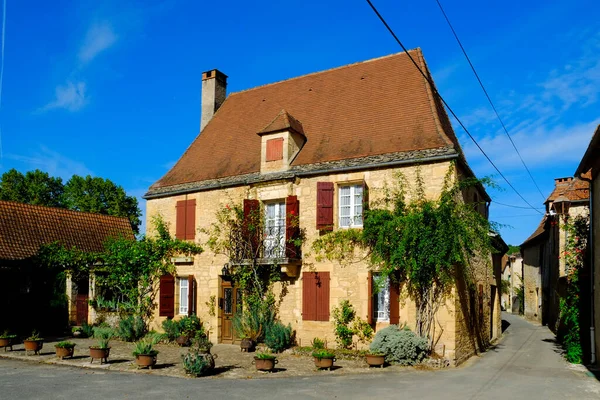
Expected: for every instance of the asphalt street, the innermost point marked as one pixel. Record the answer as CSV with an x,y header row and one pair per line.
x,y
526,364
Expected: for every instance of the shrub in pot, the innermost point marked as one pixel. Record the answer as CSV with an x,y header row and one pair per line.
x,y
102,350
131,328
64,349
278,337
265,361
7,340
375,359
33,343
145,354
198,360
323,358
400,345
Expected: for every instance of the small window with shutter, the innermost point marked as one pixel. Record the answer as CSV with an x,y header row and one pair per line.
x,y
185,225
315,296
274,149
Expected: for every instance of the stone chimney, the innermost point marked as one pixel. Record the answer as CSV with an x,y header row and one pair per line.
x,y
214,91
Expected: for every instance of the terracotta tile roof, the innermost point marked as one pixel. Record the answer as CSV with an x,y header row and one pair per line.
x,y
539,231
573,188
369,108
24,228
282,122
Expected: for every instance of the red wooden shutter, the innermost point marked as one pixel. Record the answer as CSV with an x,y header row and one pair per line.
x,y
191,295
370,298
365,200
309,297
190,219
292,227
322,288
252,231
166,296
325,206
274,149
180,222
394,301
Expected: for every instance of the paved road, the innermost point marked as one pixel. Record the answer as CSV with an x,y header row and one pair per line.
x,y
525,365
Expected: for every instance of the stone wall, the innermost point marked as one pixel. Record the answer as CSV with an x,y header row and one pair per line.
x,y
532,282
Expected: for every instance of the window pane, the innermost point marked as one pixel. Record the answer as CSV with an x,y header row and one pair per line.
x,y
183,296
227,301
381,304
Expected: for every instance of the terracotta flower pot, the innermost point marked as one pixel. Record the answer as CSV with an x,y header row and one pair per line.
x,y
33,345
265,364
375,360
62,352
6,342
98,353
247,345
145,360
324,362
183,341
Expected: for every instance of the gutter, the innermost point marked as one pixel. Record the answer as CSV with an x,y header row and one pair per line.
x,y
293,175
592,276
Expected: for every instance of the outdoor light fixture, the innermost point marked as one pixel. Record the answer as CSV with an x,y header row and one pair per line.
x,y
225,270
561,205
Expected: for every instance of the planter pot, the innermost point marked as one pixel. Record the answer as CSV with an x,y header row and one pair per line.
x,y
324,362
98,353
62,352
6,342
247,345
33,345
145,360
263,364
375,360
183,341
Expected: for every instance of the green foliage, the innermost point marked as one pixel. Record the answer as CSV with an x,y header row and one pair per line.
x,y
278,337
145,347
65,345
131,328
574,256
513,249
264,356
423,243
201,343
317,344
104,335
400,346
323,353
7,335
35,335
191,326
196,363
505,286
254,321
520,291
171,328
362,329
87,330
342,317
88,194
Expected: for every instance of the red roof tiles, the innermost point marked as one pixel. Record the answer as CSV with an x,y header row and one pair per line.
x,y
374,107
573,188
24,228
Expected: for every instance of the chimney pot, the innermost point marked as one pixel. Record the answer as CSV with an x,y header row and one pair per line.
x,y
214,92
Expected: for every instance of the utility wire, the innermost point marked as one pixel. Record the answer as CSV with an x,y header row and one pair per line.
x,y
513,206
434,89
488,96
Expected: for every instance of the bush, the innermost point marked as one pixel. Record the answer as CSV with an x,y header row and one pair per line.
x,y
145,348
65,345
343,316
400,346
196,363
318,344
279,337
254,322
87,330
171,329
131,328
190,326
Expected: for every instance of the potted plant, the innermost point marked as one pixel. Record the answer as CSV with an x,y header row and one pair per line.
x,y
64,349
187,328
248,327
145,354
323,358
77,331
33,343
102,350
7,340
265,361
375,359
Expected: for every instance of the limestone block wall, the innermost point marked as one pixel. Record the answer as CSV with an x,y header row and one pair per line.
x,y
532,282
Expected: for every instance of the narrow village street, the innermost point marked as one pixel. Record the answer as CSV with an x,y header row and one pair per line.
x,y
525,365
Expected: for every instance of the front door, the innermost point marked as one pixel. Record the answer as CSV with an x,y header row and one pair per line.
x,y
230,304
81,306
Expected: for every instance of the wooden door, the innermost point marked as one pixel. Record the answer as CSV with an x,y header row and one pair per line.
x,y
81,305
230,304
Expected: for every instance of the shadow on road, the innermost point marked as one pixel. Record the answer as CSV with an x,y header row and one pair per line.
x,y
593,371
557,347
505,325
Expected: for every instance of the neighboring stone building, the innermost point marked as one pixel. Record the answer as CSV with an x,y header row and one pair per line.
x,y
589,170
316,145
543,268
512,272
28,293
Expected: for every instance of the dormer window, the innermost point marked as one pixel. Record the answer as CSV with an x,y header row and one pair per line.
x,y
274,149
281,141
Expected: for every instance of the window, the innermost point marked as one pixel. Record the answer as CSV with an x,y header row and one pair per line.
x,y
351,206
381,298
274,238
315,296
185,225
183,296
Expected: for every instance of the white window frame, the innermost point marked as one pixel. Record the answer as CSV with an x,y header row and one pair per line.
x,y
274,238
381,303
184,290
348,205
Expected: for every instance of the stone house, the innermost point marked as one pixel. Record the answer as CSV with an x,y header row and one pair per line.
x,y
28,293
589,171
512,273
544,273
314,146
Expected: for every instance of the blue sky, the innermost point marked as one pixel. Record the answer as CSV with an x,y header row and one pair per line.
x,y
112,88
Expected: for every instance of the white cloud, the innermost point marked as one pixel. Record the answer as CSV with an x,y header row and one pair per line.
x,y
99,37
52,162
71,97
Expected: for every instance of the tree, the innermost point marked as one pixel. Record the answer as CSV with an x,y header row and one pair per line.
x,y
35,187
98,195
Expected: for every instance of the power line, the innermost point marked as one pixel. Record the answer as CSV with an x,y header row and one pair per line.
x,y
488,97
513,206
434,89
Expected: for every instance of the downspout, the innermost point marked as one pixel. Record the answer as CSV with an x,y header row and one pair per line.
x,y
591,247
